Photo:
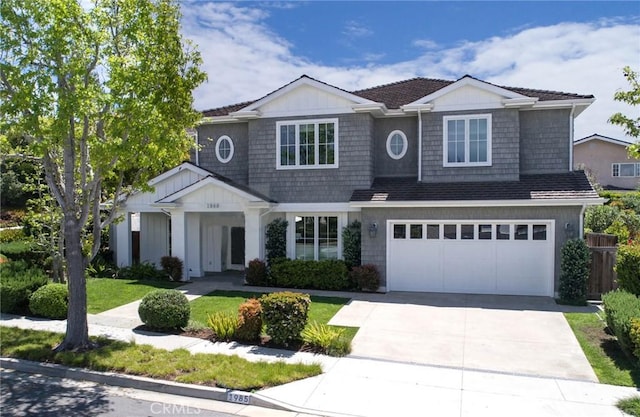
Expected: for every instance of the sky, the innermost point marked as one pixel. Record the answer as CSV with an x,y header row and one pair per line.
x,y
251,48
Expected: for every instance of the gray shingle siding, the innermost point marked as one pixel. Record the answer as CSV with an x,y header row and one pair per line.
x,y
355,161
374,249
385,166
505,149
544,141
237,168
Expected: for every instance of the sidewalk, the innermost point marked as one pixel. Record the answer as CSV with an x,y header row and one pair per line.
x,y
366,387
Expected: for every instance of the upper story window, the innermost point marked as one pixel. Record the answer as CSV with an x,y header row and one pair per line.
x,y
625,170
467,140
307,144
397,144
224,149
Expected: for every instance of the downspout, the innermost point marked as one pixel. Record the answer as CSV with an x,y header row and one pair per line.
x,y
419,145
197,149
573,109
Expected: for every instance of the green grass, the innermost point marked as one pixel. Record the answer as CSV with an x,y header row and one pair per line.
x,y
322,309
106,293
630,405
609,363
179,365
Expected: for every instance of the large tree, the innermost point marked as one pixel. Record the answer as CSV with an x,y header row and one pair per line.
x,y
631,125
102,93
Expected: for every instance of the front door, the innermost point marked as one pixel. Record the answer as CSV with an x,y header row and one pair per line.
x,y
237,246
212,249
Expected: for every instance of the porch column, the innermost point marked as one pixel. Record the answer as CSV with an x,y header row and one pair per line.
x,y
123,241
178,239
252,235
192,262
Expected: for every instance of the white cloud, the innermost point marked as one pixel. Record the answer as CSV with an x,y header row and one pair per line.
x,y
354,29
245,60
425,44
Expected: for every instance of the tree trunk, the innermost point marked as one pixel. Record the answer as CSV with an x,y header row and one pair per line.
x,y
77,337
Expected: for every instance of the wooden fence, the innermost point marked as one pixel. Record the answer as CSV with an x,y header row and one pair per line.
x,y
602,277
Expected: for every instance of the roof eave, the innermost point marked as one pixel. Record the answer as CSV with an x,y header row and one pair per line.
x,y
482,203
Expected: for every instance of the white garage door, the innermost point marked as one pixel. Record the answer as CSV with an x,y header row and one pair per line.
x,y
479,257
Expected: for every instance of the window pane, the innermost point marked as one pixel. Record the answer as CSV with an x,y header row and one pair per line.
x,y
539,232
433,231
450,231
484,231
307,144
615,170
627,170
455,140
305,237
399,231
477,140
326,145
415,231
466,231
327,237
521,232
503,231
287,145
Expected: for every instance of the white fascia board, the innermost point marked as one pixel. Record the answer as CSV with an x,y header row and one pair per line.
x,y
245,114
165,205
519,102
314,207
203,183
173,171
603,139
414,108
482,203
580,105
216,120
377,109
464,82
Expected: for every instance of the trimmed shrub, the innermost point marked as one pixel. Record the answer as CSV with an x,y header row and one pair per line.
x,y
326,339
329,274
599,218
276,241
223,325
22,250
285,314
634,335
11,235
141,271
256,272
51,301
366,277
575,264
249,320
628,268
172,266
631,201
620,307
352,244
19,281
164,309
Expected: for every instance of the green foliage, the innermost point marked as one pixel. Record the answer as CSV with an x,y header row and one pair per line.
x,y
17,174
628,268
223,325
285,314
352,244
195,326
51,301
19,281
164,309
631,201
11,235
256,273
328,274
620,307
22,250
249,320
575,264
276,241
141,271
631,126
634,335
366,277
599,218
172,266
630,406
327,339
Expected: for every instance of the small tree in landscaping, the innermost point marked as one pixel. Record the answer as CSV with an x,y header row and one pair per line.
x,y
172,265
352,244
276,243
285,314
256,272
574,272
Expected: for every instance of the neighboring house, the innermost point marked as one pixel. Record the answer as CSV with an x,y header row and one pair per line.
x,y
607,160
461,186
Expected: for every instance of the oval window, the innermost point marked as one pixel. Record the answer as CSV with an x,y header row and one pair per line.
x,y
224,149
396,144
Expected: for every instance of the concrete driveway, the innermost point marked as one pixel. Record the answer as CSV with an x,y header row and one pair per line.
x,y
509,334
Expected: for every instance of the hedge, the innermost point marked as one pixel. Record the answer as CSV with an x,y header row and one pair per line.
x,y
620,308
329,274
19,281
628,268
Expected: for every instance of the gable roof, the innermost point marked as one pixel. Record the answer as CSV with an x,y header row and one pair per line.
x,y
595,136
546,187
397,94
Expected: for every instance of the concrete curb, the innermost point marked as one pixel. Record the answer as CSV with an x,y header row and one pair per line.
x,y
148,384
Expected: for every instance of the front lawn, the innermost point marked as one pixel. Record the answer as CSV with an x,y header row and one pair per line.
x,y
608,361
179,365
322,309
106,293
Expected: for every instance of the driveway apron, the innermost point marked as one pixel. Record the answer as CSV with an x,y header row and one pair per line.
x,y
507,334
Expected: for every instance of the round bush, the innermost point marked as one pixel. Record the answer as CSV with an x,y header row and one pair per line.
x,y
164,309
50,301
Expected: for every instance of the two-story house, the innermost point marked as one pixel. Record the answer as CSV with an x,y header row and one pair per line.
x,y
607,161
460,186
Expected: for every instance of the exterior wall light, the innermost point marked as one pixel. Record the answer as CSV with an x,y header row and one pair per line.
x,y
373,230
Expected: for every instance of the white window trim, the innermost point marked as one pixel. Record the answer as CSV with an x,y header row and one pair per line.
x,y
231,151
291,231
445,144
550,224
636,169
405,144
297,123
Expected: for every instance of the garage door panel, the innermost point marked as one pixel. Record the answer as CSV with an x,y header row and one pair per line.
x,y
469,267
417,266
523,268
